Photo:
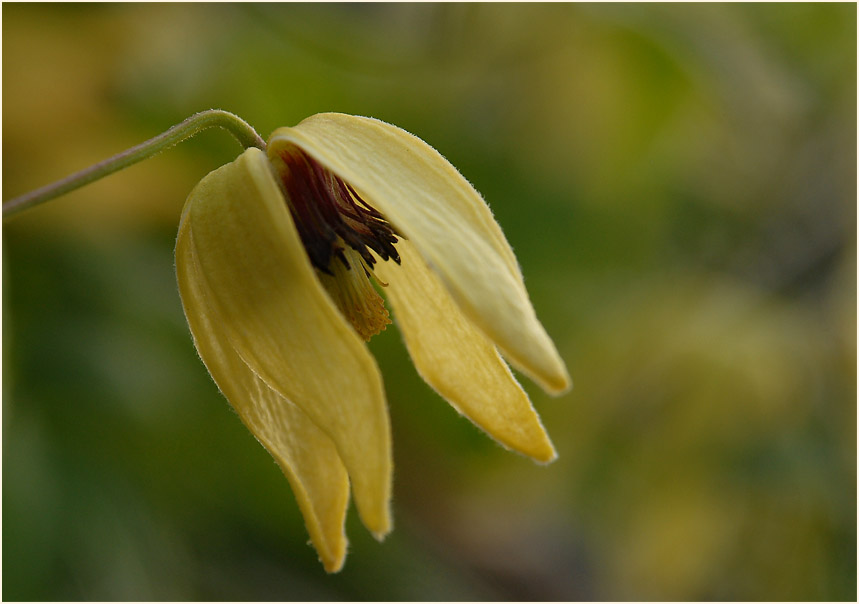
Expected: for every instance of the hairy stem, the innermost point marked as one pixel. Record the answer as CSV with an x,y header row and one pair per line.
x,y
236,126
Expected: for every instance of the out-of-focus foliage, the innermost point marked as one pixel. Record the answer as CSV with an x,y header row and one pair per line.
x,y
679,183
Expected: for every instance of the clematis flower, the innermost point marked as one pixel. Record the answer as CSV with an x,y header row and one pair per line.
x,y
279,257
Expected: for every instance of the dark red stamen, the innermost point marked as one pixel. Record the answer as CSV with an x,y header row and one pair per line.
x,y
326,210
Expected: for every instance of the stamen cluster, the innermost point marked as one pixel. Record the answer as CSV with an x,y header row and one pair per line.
x,y
328,212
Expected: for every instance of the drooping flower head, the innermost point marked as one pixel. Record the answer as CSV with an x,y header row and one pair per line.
x,y
279,257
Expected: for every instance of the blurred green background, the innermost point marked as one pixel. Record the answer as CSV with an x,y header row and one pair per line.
x,y
679,183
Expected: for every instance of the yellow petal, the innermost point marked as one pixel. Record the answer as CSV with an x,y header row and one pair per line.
x,y
457,360
306,455
430,203
267,300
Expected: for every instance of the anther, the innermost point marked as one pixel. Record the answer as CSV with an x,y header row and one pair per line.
x,y
341,232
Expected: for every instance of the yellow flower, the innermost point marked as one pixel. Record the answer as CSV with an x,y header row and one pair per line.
x,y
276,257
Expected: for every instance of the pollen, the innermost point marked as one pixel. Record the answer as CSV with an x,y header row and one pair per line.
x,y
353,293
343,236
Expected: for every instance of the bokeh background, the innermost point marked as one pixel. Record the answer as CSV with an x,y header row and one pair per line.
x,y
679,183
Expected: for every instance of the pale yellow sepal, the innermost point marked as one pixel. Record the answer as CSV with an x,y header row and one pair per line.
x,y
434,207
272,309
306,455
457,360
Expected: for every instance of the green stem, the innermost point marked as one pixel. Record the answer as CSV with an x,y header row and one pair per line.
x,y
175,135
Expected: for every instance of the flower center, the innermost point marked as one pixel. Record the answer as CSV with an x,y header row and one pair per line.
x,y
338,230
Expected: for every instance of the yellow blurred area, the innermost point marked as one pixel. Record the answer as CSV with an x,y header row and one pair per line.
x,y
679,184
60,115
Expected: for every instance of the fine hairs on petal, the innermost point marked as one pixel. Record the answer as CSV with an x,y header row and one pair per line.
x,y
270,305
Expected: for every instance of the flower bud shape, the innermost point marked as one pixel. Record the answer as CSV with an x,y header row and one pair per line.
x,y
280,259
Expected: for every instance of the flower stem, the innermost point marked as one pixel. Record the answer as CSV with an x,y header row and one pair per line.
x,y
236,126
